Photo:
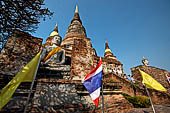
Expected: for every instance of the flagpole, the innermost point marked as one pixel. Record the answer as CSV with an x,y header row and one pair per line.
x,y
168,79
149,98
102,99
29,95
102,92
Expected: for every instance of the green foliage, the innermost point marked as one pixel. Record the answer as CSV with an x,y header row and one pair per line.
x,y
21,15
138,101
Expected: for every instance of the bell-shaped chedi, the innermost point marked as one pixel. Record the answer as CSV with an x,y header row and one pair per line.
x,y
111,64
78,48
75,31
76,26
108,53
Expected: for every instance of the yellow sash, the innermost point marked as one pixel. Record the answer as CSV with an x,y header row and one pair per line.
x,y
52,52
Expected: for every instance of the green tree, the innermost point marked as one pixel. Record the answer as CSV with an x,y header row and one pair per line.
x,y
21,15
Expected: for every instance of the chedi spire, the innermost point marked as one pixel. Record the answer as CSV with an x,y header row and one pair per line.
x,y
76,11
108,53
76,15
55,31
76,26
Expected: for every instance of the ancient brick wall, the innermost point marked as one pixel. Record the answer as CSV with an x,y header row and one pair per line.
x,y
136,89
125,84
158,97
18,51
158,74
81,59
59,95
114,104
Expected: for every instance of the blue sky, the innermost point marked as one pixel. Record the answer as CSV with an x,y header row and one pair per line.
x,y
133,28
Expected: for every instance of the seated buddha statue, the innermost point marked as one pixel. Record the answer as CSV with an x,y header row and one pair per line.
x,y
53,53
145,61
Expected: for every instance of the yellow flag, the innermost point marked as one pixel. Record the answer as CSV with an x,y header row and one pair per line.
x,y
150,82
25,75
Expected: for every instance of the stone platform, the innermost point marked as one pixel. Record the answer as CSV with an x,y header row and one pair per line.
x,y
54,71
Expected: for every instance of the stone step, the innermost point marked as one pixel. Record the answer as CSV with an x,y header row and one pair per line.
x,y
56,68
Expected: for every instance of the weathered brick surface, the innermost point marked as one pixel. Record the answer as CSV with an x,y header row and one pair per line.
x,y
114,104
81,60
158,74
19,50
165,108
158,97
137,89
126,85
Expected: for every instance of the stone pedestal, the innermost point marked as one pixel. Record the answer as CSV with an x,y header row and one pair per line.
x,y
54,71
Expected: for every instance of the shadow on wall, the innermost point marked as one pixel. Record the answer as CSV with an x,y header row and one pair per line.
x,y
51,98
59,97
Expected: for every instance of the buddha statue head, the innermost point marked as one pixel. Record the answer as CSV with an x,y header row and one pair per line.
x,y
56,41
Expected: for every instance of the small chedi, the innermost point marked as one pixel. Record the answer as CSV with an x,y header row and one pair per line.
x,y
64,63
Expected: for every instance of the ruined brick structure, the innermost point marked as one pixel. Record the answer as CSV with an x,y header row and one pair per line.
x,y
110,63
58,88
160,75
83,56
19,50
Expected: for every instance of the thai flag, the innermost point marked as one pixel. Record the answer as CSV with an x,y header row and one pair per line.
x,y
92,82
169,78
